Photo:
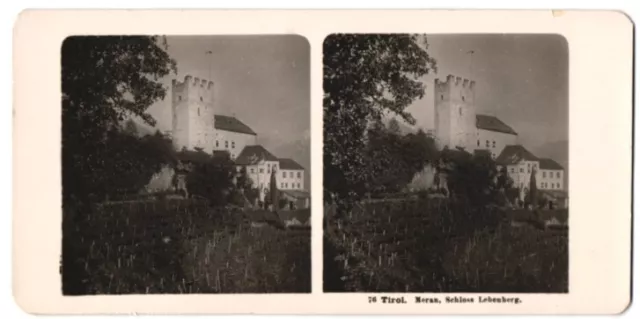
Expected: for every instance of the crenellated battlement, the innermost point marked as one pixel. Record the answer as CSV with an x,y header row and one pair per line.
x,y
452,80
193,81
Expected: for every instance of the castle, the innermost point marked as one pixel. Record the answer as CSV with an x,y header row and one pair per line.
x,y
196,126
459,126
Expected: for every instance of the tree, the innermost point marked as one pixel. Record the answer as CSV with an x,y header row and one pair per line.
x,y
211,178
364,77
394,126
533,189
273,190
105,80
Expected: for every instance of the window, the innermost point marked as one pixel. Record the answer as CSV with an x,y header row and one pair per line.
x,y
226,144
261,170
463,98
494,144
493,155
291,174
544,174
284,174
201,99
217,144
558,185
286,185
460,111
198,111
441,97
552,185
281,185
233,144
478,142
299,185
521,170
179,97
558,174
299,175
261,185
513,170
252,171
487,143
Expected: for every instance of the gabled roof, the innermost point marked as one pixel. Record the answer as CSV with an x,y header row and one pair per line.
x,y
287,163
492,123
232,124
547,163
513,154
252,154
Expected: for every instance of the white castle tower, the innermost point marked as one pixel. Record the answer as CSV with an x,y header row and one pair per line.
x,y
193,116
455,113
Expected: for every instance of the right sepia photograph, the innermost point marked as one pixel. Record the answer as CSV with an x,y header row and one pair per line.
x,y
446,163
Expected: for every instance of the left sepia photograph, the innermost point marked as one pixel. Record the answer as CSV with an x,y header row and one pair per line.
x,y
186,164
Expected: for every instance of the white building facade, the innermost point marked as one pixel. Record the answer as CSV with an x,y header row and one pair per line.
x,y
291,175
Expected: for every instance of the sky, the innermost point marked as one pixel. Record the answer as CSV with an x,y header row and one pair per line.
x,y
521,79
262,80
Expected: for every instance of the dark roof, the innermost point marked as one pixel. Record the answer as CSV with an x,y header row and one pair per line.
x,y
232,124
296,193
513,154
492,123
287,163
547,163
253,153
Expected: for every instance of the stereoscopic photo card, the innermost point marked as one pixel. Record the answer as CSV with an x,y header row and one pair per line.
x,y
322,162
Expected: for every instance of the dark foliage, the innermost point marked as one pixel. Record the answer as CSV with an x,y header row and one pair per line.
x,y
211,177
364,77
394,159
105,80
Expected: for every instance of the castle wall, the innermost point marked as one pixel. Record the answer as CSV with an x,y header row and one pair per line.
x,y
494,141
193,113
233,142
455,122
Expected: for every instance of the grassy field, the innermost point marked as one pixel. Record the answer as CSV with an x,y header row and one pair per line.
x,y
436,246
178,246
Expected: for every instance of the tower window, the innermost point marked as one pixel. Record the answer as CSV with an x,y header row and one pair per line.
x,y
441,97
179,97
201,99
462,98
